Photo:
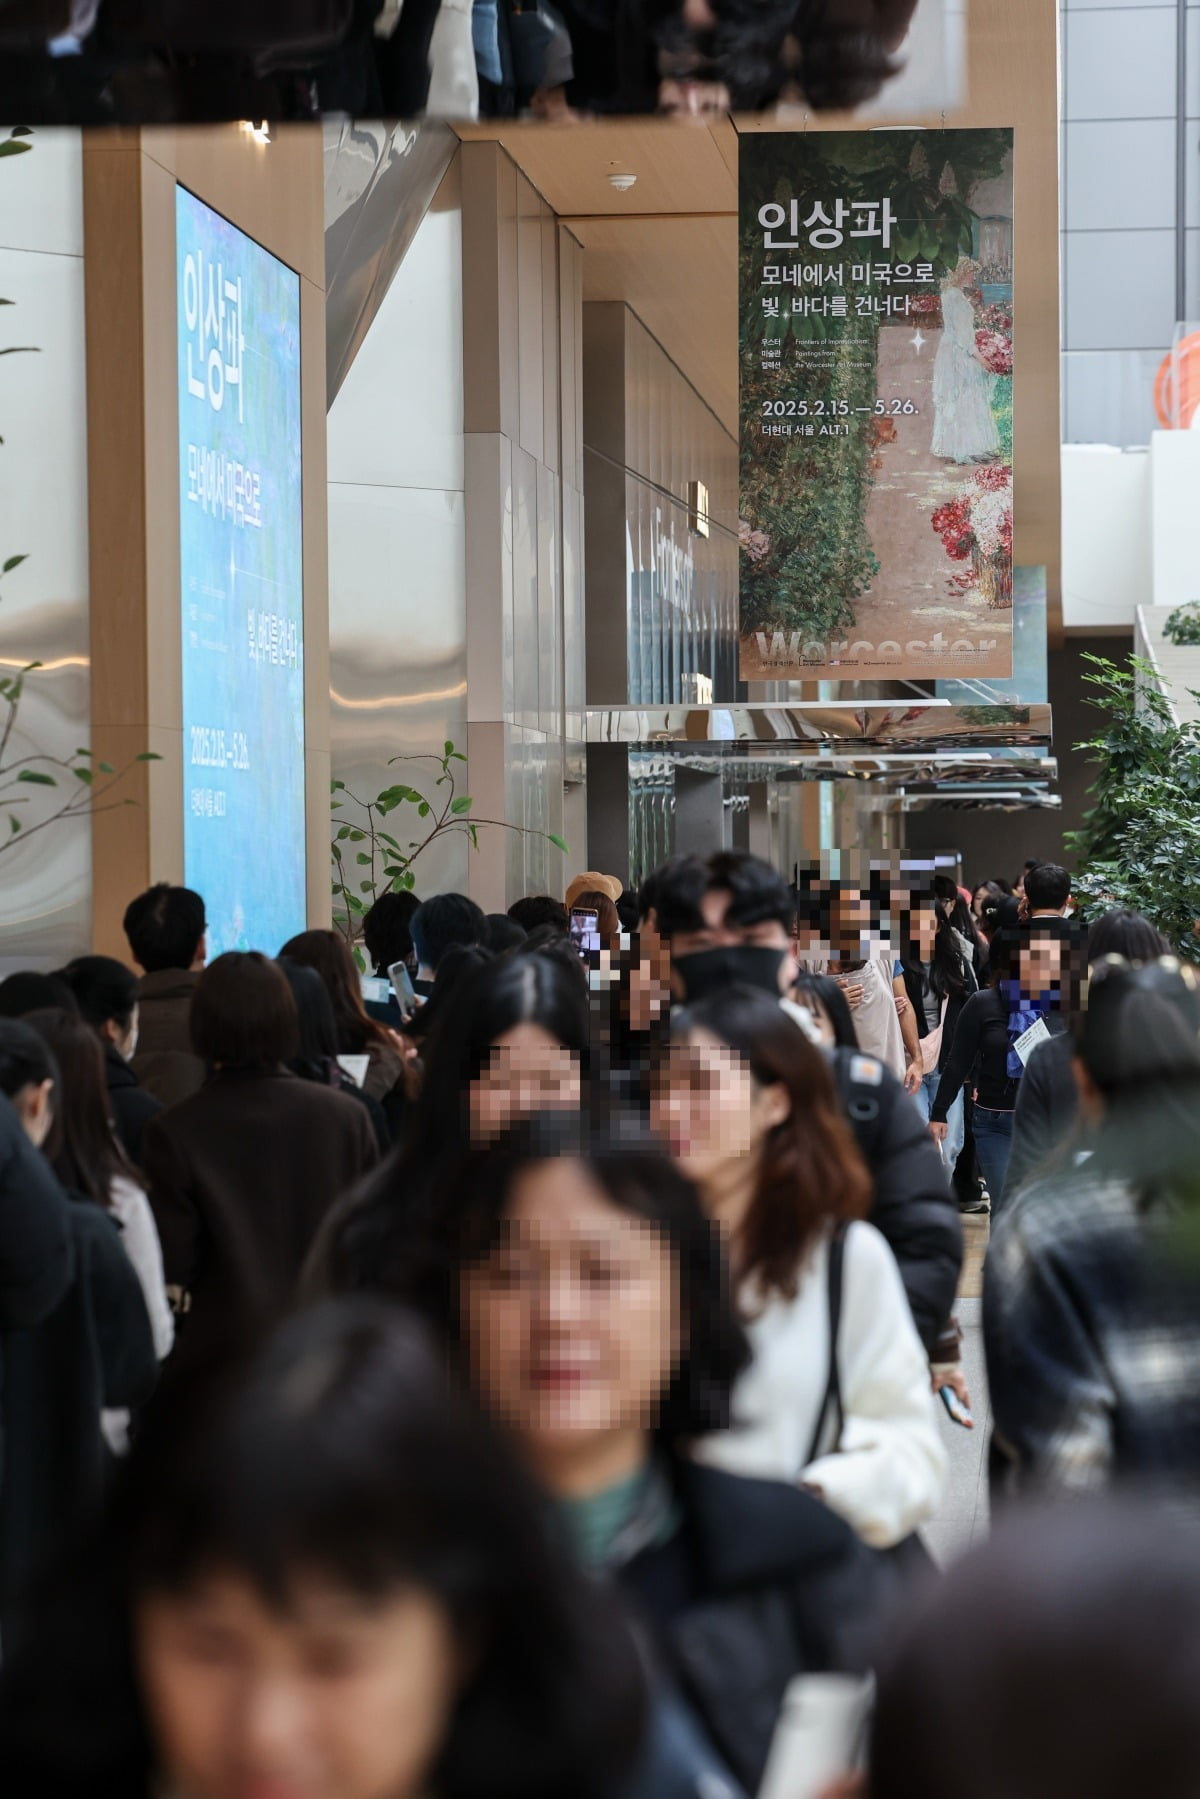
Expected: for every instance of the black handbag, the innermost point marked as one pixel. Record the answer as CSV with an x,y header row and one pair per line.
x,y
909,1560
27,26
269,34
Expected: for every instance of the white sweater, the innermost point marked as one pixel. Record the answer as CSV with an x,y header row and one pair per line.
x,y
887,1476
139,1234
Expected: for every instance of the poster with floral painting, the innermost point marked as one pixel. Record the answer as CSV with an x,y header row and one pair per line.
x,y
876,373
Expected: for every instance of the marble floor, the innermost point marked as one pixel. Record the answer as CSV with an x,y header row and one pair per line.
x,y
963,1519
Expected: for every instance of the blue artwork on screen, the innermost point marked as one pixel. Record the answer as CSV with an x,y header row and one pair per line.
x,y
242,582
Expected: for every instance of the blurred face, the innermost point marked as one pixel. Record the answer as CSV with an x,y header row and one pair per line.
x,y
573,1319
711,1111
34,1106
336,1698
852,922
1041,965
819,1016
924,930
527,1071
124,1040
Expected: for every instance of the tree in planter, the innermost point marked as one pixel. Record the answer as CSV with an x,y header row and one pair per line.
x,y
1139,845
381,862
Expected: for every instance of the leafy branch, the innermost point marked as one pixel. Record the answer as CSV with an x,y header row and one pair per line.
x,y
1139,845
94,781
369,861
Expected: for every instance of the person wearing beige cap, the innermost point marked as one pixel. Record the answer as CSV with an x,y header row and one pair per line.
x,y
593,883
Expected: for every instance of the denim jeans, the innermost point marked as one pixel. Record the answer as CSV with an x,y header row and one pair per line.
x,y
993,1141
955,1121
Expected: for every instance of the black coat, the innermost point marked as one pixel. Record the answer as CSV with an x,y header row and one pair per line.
x,y
913,1206
95,1349
241,1177
131,1106
761,1584
1047,1110
35,1238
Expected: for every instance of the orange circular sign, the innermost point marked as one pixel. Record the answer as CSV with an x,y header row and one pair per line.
x,y
1176,410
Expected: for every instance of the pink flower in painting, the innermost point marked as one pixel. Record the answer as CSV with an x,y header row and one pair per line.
x,y
755,544
995,352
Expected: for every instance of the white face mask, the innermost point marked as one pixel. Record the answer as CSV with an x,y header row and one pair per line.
x,y
130,1050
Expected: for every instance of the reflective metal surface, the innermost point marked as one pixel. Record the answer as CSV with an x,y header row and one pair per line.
x,y
380,181
397,542
933,725
45,882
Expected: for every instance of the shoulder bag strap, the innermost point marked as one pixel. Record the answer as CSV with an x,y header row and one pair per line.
x,y
831,1404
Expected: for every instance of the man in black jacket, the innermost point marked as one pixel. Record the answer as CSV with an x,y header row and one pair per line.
x,y
1048,1099
729,919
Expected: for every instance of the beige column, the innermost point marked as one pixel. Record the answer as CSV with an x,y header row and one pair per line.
x,y
521,305
273,192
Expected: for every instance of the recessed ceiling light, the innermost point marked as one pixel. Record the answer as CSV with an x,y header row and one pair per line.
x,y
622,183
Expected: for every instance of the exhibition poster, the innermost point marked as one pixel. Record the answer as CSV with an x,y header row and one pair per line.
x,y
876,374
242,582
1030,681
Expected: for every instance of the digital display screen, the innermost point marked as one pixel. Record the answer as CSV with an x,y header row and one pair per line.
x,y
241,582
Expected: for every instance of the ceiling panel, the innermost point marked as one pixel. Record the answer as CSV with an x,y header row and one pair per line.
x,y
680,168
679,275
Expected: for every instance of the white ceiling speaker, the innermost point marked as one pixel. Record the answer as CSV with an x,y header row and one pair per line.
x,y
622,183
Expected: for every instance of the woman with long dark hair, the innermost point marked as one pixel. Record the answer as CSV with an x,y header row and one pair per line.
x,y
317,1053
323,1575
825,1002
357,1033
584,1295
838,1397
511,1040
938,981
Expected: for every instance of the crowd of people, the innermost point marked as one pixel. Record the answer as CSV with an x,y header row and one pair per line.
x,y
147,61
515,1369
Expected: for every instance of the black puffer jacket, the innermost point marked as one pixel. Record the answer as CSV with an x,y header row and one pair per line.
x,y
913,1206
131,1106
760,1584
94,1349
35,1237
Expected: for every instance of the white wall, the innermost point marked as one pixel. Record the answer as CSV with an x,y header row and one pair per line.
x,y
45,885
397,544
1106,536
1131,529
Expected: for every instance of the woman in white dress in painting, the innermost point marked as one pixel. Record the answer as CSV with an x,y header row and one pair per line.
x,y
964,429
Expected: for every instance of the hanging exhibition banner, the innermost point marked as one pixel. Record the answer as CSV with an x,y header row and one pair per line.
x,y
876,370
1030,682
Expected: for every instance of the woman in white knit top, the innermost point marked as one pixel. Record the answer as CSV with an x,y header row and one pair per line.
x,y
749,1108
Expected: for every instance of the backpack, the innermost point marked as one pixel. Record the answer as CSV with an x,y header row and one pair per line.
x,y
269,34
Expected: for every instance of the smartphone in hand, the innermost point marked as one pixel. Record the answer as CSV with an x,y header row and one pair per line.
x,y
956,1408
